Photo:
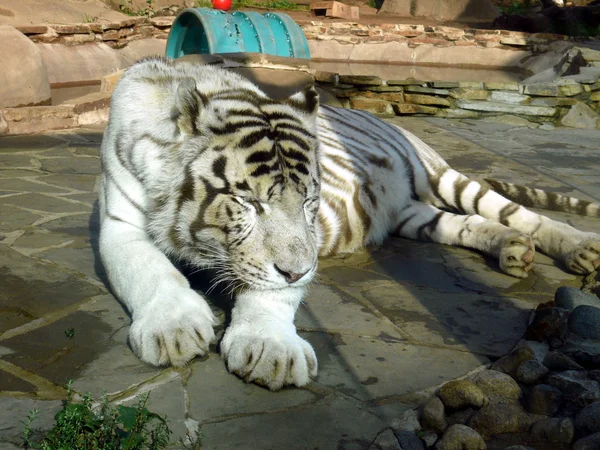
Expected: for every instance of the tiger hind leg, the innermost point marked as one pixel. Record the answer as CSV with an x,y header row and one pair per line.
x,y
514,249
578,250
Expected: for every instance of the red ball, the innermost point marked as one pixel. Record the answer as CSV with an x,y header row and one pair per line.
x,y
223,5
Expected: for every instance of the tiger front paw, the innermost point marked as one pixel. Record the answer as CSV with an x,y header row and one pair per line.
x,y
585,258
517,254
271,355
173,328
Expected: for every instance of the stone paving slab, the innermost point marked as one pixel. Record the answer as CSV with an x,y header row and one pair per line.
x,y
32,289
330,424
388,324
370,369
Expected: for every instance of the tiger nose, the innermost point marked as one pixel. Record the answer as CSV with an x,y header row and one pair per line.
x,y
290,277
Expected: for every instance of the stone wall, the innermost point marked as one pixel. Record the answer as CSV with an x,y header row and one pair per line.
x,y
118,34
570,101
113,34
417,35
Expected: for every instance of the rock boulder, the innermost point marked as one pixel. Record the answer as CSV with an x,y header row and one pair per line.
x,y
24,78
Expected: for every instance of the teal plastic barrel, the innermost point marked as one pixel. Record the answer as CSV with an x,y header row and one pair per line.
x,y
204,30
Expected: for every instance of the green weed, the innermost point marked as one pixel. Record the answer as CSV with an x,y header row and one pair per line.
x,y
27,427
519,7
126,7
88,19
193,442
283,5
105,427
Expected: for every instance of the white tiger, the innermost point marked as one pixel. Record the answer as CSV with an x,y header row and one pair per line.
x,y
199,165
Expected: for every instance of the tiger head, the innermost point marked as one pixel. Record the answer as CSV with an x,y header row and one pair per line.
x,y
249,196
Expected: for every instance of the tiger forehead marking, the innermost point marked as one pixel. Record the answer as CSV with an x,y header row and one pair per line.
x,y
257,159
271,145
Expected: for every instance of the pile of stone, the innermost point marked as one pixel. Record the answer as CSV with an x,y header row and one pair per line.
x,y
544,394
113,34
415,35
567,93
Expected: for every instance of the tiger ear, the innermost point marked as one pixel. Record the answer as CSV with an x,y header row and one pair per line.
x,y
189,104
306,100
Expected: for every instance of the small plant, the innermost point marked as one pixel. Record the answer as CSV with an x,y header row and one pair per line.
x,y
192,442
148,11
519,7
89,19
70,332
284,5
81,426
126,7
27,426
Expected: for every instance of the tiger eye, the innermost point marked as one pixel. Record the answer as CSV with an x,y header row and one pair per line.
x,y
257,206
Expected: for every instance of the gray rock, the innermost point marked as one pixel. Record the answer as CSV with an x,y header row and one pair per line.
x,y
585,321
409,441
461,416
530,372
553,430
407,421
591,442
545,400
564,62
585,352
587,421
429,438
386,440
594,375
497,386
508,97
511,362
25,80
486,106
458,394
576,387
539,349
461,437
559,361
432,416
499,418
554,56
570,298
581,116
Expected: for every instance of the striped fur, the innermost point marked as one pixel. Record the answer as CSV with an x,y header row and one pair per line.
x,y
201,166
538,198
379,179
